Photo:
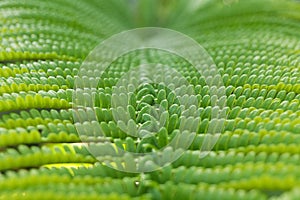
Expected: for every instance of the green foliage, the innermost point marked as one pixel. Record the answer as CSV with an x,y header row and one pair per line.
x,y
255,45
